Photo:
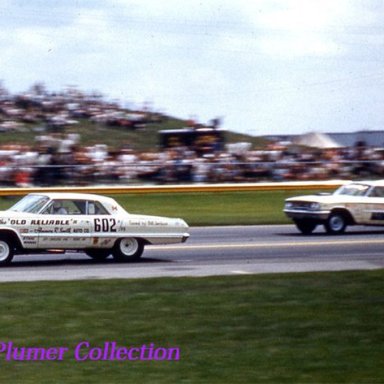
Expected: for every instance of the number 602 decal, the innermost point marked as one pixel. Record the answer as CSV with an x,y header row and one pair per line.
x,y
105,225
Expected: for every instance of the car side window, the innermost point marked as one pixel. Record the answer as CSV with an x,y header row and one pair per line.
x,y
377,192
95,208
62,207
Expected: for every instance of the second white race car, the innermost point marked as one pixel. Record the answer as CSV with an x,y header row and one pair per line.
x,y
354,203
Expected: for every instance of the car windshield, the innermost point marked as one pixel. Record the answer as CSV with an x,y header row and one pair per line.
x,y
30,204
353,190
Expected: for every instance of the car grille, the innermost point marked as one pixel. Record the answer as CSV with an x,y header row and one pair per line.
x,y
301,205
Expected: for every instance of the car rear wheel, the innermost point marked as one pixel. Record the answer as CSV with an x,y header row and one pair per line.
x,y
98,254
6,251
306,227
128,249
336,223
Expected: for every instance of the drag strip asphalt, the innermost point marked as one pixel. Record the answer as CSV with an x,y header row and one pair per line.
x,y
210,251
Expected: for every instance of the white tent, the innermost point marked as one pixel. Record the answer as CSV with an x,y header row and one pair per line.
x,y
316,140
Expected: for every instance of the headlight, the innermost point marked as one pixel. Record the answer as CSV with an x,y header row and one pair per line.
x,y
314,206
288,205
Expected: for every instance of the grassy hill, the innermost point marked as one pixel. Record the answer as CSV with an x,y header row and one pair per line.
x,y
142,139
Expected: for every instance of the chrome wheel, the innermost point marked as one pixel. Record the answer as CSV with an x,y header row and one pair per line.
x,y
6,251
128,249
336,224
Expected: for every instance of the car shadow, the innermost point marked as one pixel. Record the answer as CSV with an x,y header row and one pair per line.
x,y
325,234
77,262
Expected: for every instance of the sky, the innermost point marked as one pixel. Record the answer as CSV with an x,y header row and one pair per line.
x,y
265,67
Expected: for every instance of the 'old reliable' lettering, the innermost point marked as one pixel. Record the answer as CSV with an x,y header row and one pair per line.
x,y
49,222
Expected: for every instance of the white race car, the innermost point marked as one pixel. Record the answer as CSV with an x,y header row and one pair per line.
x,y
95,224
354,203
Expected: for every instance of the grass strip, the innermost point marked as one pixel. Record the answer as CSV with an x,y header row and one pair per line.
x,y
224,208
291,328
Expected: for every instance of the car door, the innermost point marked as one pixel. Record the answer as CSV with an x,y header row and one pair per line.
x,y
104,227
67,227
374,207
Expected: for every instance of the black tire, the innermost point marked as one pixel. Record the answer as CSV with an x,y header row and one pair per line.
x,y
336,223
128,249
98,254
6,251
306,227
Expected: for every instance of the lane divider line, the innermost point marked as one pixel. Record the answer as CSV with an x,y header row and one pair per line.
x,y
269,245
241,272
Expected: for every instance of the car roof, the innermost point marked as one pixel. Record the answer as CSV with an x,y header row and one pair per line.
x,y
112,206
378,183
375,183
73,196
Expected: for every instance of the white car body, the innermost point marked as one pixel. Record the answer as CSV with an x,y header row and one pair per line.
x,y
354,203
74,221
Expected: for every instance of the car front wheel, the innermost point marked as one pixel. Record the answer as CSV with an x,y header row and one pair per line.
x,y
6,251
306,227
128,249
336,223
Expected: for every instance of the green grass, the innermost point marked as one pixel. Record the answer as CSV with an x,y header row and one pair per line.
x,y
213,208
232,208
144,139
298,328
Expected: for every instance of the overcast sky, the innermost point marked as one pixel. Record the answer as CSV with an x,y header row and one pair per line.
x,y
264,66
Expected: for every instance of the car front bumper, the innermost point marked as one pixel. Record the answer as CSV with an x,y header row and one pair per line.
x,y
304,214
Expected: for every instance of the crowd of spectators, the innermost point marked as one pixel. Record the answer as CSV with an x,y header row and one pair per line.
x,y
62,109
23,166
57,158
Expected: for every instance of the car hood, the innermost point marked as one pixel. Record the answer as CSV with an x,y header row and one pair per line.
x,y
327,199
16,214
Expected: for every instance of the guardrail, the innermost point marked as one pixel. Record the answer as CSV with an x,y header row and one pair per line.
x,y
185,188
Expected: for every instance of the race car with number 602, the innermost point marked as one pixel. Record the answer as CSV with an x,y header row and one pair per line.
x,y
97,225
